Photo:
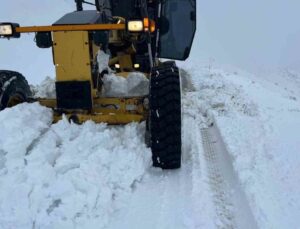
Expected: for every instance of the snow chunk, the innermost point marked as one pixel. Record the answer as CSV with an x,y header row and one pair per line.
x,y
103,60
136,84
45,90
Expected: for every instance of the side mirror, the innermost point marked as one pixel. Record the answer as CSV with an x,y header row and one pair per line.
x,y
43,40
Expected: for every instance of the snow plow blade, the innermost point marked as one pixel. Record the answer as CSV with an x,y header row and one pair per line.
x,y
113,111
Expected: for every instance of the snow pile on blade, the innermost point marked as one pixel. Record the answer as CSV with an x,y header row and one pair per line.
x,y
259,123
136,84
61,175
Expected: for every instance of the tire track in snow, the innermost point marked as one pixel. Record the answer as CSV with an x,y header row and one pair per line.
x,y
204,163
212,171
231,204
222,203
202,201
243,216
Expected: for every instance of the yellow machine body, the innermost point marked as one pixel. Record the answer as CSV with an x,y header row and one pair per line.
x,y
73,54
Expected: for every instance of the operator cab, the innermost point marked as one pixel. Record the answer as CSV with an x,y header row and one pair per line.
x,y
175,29
176,23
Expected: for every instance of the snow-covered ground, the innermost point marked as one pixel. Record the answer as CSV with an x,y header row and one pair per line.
x,y
65,175
259,122
240,162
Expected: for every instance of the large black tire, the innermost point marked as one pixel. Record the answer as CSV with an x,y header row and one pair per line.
x,y
14,89
165,116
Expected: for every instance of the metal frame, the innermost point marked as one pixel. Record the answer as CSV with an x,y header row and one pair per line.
x,y
112,111
57,28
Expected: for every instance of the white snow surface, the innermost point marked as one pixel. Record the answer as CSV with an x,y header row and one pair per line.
x,y
63,175
259,122
97,176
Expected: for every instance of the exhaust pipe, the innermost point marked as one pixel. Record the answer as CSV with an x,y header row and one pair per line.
x,y
79,5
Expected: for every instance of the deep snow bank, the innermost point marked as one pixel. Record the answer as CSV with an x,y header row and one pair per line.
x,y
65,175
260,125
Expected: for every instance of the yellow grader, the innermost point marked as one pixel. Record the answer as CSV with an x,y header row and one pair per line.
x,y
137,35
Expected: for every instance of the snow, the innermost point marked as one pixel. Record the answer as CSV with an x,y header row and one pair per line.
x,y
259,124
103,59
44,90
61,175
135,84
240,162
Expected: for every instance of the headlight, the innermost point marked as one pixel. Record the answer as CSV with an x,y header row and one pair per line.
x,y
9,30
135,26
6,30
146,25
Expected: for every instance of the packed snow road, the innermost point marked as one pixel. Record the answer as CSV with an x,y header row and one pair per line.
x,y
95,176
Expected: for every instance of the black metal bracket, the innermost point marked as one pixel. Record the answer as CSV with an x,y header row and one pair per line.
x,y
79,4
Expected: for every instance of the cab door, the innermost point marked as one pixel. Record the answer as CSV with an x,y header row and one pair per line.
x,y
177,29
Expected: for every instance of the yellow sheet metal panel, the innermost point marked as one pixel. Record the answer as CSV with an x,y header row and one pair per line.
x,y
50,103
72,56
123,74
125,62
119,105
